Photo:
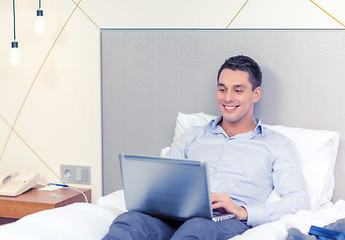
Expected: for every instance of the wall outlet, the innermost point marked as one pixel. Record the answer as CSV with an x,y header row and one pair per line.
x,y
75,174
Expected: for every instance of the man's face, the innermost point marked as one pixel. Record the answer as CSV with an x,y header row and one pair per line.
x,y
235,96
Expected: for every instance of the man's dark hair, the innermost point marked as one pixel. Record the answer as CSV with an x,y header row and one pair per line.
x,y
246,64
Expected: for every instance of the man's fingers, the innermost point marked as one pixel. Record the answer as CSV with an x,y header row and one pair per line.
x,y
218,197
216,205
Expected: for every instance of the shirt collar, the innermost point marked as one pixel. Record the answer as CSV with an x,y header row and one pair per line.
x,y
214,124
259,128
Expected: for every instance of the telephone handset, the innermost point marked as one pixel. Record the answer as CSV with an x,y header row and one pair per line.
x,y
14,183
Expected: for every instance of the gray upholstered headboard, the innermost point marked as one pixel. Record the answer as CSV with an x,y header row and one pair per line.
x,y
148,76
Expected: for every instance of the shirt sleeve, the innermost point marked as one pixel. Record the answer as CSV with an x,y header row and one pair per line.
x,y
179,148
288,181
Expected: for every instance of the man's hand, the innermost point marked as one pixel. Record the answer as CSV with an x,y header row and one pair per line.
x,y
223,203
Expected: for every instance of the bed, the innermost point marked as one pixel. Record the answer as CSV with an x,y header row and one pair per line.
x,y
317,148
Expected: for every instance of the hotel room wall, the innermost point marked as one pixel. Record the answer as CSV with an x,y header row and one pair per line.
x,y
55,92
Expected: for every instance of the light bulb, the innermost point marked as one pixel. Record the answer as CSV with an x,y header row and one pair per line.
x,y
14,55
39,23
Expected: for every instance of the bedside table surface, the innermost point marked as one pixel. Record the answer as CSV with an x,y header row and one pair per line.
x,y
36,200
42,196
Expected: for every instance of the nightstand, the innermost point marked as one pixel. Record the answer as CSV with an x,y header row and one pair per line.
x,y
35,200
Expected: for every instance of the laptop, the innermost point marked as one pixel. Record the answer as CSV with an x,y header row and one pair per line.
x,y
167,188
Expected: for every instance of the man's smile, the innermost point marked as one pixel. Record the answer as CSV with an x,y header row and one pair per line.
x,y
230,107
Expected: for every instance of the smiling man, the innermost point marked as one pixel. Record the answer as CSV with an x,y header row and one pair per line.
x,y
245,160
236,97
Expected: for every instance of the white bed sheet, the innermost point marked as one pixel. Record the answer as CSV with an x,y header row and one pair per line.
x,y
91,222
76,221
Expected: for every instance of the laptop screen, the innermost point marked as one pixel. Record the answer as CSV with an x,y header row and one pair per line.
x,y
168,188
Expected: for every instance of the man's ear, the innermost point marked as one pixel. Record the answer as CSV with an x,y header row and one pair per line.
x,y
257,94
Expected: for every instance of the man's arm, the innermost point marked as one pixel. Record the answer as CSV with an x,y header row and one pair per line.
x,y
288,181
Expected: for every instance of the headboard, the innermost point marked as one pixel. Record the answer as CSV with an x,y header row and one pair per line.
x,y
149,75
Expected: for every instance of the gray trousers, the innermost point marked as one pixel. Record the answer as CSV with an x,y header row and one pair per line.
x,y
135,225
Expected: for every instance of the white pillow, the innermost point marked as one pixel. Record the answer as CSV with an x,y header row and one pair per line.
x,y
185,121
317,148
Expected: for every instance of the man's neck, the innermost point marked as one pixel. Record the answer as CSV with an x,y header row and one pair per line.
x,y
233,129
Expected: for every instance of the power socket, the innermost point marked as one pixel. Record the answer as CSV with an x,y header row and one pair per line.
x,y
75,174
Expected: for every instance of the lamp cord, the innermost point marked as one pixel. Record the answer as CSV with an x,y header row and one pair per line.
x,y
14,20
39,4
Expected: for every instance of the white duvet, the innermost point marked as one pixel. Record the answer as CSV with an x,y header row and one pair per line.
x,y
91,222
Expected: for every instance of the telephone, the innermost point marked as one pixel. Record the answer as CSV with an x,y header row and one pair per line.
x,y
14,183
